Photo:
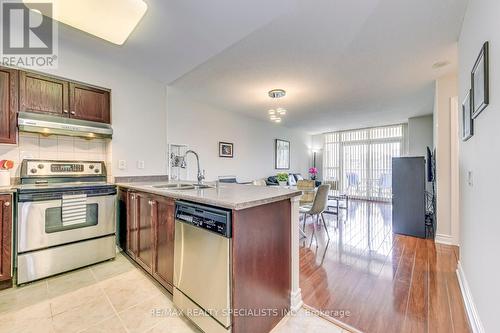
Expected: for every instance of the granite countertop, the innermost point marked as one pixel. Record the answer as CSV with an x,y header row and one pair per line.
x,y
232,196
7,189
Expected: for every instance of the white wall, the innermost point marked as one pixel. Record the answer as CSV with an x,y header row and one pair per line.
x,y
201,127
480,222
446,89
420,135
138,107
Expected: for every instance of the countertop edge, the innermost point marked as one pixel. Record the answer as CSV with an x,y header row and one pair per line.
x,y
181,196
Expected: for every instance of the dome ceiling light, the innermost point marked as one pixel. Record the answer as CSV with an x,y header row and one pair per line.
x,y
277,112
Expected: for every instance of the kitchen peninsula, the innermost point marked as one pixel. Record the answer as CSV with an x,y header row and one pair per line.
x,y
242,239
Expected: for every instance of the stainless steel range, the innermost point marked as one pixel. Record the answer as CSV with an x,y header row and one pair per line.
x,y
66,217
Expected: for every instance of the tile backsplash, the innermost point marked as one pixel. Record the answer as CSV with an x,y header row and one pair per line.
x,y
54,147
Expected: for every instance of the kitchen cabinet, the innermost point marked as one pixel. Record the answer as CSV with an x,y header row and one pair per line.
x,y
145,235
5,241
43,94
60,97
8,104
88,103
150,234
164,221
131,225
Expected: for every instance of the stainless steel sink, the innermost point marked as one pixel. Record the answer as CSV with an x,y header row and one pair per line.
x,y
181,186
175,186
202,187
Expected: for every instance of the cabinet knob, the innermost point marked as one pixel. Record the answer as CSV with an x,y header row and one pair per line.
x,y
65,111
7,204
73,112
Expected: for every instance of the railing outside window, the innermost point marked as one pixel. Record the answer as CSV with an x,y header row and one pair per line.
x,y
359,162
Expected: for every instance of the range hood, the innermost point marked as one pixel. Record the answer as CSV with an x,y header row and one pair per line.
x,y
48,125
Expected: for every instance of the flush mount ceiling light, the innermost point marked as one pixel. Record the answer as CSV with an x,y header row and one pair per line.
x,y
111,20
276,93
276,113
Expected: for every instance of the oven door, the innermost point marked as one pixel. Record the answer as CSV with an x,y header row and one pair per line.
x,y
40,222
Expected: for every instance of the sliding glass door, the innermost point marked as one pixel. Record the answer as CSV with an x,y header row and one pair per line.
x,y
359,162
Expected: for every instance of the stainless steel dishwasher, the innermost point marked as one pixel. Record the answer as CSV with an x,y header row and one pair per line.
x,y
202,265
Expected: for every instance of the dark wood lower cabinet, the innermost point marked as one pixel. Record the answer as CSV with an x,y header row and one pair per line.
x,y
163,261
145,244
5,241
150,234
261,265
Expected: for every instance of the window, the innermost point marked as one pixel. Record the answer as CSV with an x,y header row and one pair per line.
x,y
359,162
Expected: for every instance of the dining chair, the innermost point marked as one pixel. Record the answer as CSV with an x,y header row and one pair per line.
x,y
307,188
317,208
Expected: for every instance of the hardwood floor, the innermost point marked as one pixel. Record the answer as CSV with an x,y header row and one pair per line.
x,y
376,281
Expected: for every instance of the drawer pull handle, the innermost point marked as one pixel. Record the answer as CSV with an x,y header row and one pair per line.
x,y
7,204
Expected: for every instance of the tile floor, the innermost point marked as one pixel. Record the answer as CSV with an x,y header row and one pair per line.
x,y
110,297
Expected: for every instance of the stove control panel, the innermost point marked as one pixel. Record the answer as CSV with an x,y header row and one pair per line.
x,y
62,168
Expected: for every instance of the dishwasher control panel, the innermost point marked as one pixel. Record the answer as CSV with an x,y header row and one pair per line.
x,y
217,220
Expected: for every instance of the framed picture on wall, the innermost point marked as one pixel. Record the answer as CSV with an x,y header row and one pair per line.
x,y
467,121
480,95
226,149
282,154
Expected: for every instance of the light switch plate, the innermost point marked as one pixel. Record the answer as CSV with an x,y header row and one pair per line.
x,y
140,164
122,164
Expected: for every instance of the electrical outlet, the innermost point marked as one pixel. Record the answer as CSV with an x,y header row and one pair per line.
x,y
122,164
470,178
140,164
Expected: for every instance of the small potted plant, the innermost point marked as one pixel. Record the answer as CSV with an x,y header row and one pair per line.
x,y
313,172
5,166
282,178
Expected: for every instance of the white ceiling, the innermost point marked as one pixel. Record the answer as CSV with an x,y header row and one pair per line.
x,y
175,36
343,63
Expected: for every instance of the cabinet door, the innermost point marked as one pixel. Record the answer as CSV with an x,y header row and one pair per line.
x,y
5,241
132,228
89,103
145,242
8,105
163,266
43,94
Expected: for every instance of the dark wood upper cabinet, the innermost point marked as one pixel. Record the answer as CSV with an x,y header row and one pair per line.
x,y
5,241
43,94
8,104
163,265
145,242
88,103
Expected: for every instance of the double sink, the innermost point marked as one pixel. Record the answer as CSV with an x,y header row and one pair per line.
x,y
182,186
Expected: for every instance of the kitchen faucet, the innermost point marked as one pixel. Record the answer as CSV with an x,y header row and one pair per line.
x,y
201,175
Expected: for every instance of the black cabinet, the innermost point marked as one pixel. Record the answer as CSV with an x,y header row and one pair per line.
x,y
408,201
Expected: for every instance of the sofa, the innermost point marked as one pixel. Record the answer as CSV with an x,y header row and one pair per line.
x,y
292,180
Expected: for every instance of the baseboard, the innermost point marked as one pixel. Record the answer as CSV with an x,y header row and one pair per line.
x,y
470,307
444,239
296,301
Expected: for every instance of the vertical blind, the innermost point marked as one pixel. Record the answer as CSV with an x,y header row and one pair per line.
x,y
359,162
